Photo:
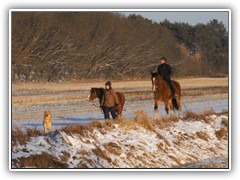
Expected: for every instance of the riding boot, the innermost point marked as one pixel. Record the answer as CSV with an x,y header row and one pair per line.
x,y
170,84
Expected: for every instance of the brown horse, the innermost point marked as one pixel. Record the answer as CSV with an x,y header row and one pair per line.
x,y
98,93
163,93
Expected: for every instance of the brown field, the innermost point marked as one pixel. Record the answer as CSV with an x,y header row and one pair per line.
x,y
37,93
68,99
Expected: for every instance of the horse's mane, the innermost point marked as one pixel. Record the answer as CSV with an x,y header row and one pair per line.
x,y
154,74
158,78
101,90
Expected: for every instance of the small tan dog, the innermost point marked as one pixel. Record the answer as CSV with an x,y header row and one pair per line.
x,y
47,122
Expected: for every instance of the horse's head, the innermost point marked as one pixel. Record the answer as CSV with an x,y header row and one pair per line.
x,y
92,95
153,77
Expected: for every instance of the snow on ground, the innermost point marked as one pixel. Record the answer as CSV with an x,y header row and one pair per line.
x,y
76,114
182,144
134,147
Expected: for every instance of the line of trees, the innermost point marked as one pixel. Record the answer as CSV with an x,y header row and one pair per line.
x,y
209,41
60,46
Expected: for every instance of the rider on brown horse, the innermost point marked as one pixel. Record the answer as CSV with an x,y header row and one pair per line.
x,y
165,70
109,101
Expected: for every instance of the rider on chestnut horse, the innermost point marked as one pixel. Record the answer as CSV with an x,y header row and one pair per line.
x,y
165,70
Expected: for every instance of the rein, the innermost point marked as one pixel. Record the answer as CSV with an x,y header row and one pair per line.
x,y
102,110
98,107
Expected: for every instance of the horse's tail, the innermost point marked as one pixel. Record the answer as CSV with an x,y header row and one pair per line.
x,y
121,101
176,101
175,104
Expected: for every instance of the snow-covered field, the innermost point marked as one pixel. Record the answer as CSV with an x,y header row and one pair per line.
x,y
68,104
75,115
188,143
131,146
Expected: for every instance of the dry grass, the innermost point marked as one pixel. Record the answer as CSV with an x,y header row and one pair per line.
x,y
202,135
203,82
200,116
83,163
55,97
193,115
36,99
113,148
222,133
84,153
175,159
139,84
205,116
204,165
96,123
19,136
43,160
108,123
128,124
141,118
119,119
208,112
164,139
36,93
166,122
65,156
205,91
80,129
102,154
225,122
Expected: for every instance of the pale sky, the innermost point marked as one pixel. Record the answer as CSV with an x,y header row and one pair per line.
x,y
190,17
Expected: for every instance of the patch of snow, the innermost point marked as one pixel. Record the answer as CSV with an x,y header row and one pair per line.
x,y
137,147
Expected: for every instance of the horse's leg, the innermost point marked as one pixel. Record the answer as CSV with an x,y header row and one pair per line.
x,y
120,109
171,108
166,108
180,115
167,105
156,108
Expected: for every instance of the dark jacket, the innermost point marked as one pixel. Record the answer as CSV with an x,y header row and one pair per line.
x,y
109,98
165,70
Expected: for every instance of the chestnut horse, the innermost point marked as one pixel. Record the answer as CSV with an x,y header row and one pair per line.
x,y
98,93
163,93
